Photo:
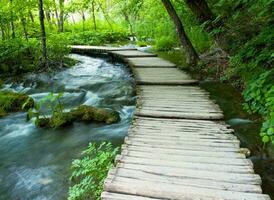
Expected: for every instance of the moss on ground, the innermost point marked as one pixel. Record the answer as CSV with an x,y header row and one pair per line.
x,y
14,102
82,113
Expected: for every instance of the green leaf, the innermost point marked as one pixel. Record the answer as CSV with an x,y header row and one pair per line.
x,y
265,139
270,131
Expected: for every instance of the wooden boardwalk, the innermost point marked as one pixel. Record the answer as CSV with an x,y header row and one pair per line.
x,y
178,147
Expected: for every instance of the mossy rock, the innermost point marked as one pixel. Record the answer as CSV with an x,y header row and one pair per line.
x,y
14,102
58,120
88,114
42,122
82,113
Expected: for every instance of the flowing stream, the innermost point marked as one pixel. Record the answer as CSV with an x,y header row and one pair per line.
x,y
34,162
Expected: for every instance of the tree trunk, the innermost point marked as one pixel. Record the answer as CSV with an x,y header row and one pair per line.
x,y
44,62
48,16
61,16
83,20
24,25
93,15
105,15
56,14
12,23
204,14
31,16
191,54
130,25
2,32
200,9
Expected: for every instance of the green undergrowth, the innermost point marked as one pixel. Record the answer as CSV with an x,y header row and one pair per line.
x,y
95,38
90,171
19,56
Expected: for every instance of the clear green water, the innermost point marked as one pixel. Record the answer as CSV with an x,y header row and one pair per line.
x,y
35,163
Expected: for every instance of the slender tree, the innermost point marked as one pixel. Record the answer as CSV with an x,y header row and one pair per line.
x,y
200,9
203,13
191,54
93,15
61,16
12,20
44,62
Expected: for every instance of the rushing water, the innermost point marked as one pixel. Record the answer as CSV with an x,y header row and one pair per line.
x,y
35,162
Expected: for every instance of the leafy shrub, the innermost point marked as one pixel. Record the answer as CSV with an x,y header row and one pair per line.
x,y
90,171
259,95
95,38
164,44
58,49
18,55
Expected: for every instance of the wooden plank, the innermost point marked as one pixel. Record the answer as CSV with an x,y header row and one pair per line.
x,y
139,172
185,146
145,133
155,189
100,48
185,152
196,159
184,164
184,139
165,76
173,115
117,196
149,62
183,173
131,54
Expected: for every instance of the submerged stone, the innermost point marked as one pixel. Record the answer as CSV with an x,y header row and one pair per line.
x,y
14,102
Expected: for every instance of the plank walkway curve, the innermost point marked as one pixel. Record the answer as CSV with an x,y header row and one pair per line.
x,y
178,147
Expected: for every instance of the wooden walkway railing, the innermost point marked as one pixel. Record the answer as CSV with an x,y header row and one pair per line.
x,y
177,146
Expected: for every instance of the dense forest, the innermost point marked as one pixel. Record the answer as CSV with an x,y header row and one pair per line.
x,y
231,41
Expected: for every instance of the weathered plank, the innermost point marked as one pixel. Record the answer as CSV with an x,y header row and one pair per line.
x,y
149,62
100,48
131,54
136,171
165,76
184,164
196,107
116,196
155,189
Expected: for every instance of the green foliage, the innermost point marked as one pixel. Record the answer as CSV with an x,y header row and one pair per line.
x,y
52,102
259,95
89,172
58,49
250,32
164,44
95,38
18,55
